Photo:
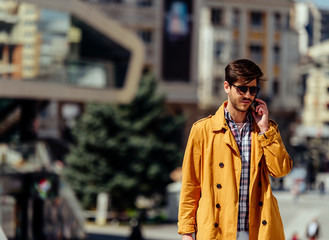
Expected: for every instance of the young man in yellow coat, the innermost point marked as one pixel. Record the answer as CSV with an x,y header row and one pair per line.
x,y
226,192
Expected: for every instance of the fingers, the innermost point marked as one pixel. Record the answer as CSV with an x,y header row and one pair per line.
x,y
261,107
254,114
260,101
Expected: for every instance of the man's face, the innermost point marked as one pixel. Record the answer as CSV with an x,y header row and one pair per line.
x,y
239,100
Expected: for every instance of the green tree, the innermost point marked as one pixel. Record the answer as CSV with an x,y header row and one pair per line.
x,y
125,150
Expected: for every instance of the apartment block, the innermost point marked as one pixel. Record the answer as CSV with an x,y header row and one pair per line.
x,y
258,30
10,43
18,40
216,33
316,99
27,28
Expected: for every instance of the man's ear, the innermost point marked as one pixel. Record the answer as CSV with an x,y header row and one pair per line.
x,y
227,87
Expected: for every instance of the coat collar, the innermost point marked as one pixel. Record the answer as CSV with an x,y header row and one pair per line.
x,y
219,122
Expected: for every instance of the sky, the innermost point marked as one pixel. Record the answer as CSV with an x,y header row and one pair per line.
x,y
322,3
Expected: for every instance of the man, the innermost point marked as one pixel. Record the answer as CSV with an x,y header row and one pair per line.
x,y
312,229
2,234
226,191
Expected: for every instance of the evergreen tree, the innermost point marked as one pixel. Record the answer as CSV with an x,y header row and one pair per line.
x,y
125,150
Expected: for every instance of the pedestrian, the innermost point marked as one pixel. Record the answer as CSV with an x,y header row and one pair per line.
x,y
322,188
312,229
295,190
136,233
295,236
2,234
226,192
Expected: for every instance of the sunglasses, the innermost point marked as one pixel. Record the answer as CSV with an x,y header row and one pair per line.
x,y
244,89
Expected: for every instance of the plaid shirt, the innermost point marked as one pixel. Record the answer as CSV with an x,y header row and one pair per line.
x,y
243,140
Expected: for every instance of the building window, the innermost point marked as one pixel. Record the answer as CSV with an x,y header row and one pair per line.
x,y
218,85
30,11
145,35
1,50
216,16
11,53
288,21
28,34
144,3
276,54
275,87
256,20
235,49
29,45
29,23
218,50
111,1
256,52
29,68
236,18
277,21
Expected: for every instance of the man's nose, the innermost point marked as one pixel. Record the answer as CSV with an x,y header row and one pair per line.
x,y
247,94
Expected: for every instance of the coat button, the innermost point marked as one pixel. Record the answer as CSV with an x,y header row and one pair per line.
x,y
259,184
219,186
221,165
260,203
259,164
217,205
264,222
216,225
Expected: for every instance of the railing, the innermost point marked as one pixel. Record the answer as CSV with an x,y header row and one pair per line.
x,y
84,80
128,14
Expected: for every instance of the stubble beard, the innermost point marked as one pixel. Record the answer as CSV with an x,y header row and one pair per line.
x,y
238,108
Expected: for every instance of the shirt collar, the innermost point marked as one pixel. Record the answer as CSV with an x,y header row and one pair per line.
x,y
229,118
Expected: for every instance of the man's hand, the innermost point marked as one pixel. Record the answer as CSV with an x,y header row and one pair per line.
x,y
187,237
261,115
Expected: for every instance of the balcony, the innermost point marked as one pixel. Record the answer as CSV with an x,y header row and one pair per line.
x,y
7,68
104,66
130,15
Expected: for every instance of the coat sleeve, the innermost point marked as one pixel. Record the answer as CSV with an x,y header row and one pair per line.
x,y
191,190
277,158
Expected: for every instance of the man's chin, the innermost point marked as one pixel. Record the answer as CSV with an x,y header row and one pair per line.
x,y
244,108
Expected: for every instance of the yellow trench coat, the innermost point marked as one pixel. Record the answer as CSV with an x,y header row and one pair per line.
x,y
211,178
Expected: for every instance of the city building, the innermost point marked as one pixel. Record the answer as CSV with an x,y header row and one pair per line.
x,y
310,138
316,99
307,20
324,24
27,29
189,43
11,45
258,30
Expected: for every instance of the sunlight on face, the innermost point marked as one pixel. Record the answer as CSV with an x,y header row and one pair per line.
x,y
240,102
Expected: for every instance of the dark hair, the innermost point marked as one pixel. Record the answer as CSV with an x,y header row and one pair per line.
x,y
243,69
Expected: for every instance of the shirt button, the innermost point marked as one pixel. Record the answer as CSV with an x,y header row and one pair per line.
x,y
219,186
264,222
260,203
216,225
221,165
217,205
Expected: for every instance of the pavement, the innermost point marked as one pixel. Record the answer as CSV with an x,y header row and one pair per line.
x,y
295,213
149,232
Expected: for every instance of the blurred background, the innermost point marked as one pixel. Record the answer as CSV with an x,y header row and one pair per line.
x,y
97,98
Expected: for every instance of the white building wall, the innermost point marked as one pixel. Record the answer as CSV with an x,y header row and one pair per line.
x,y
316,99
